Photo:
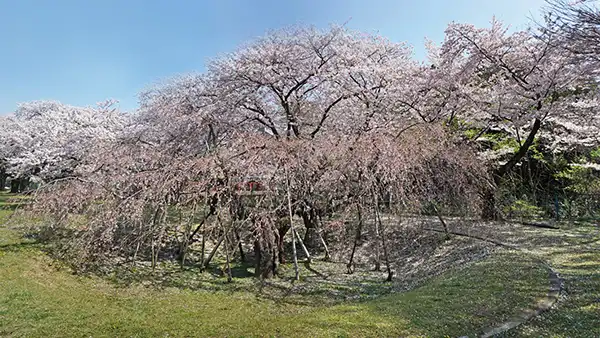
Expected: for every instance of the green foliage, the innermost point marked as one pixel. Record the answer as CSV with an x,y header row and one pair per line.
x,y
523,210
536,153
579,179
502,141
471,133
595,154
581,192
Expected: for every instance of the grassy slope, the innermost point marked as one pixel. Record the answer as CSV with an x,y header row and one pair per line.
x,y
574,252
578,262
37,299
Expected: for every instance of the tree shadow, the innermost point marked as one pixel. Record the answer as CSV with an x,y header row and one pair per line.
x,y
16,247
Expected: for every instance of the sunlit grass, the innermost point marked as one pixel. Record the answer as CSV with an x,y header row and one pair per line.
x,y
38,300
39,297
578,312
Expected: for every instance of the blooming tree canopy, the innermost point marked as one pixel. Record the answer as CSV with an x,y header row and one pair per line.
x,y
44,140
332,123
515,82
301,81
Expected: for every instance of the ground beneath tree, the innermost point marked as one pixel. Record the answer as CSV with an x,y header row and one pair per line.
x,y
427,255
40,298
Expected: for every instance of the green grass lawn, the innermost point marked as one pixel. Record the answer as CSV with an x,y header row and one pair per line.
x,y
39,298
578,312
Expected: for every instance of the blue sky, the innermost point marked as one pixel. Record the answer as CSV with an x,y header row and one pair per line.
x,y
84,51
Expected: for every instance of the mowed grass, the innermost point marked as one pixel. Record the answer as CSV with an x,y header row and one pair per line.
x,y
578,313
39,298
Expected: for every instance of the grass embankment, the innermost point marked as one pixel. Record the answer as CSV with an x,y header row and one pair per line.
x,y
38,299
577,259
574,252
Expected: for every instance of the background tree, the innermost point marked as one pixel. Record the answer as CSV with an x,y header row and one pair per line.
x,y
45,140
516,83
577,23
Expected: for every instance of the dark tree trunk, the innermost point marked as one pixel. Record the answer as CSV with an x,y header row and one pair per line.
x,y
311,237
282,230
441,219
266,259
240,246
386,254
489,210
357,239
14,186
23,184
228,262
266,249
2,179
203,249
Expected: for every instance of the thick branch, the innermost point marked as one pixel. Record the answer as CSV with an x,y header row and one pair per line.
x,y
522,150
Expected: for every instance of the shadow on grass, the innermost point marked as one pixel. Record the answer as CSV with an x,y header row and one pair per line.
x,y
10,206
311,269
463,302
322,284
16,247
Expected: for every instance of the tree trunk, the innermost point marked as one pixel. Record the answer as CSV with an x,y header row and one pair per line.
x,y
320,234
489,210
311,238
228,263
294,233
377,236
266,259
240,246
2,179
158,219
282,230
23,184
185,240
14,186
327,255
350,265
444,225
203,248
266,249
386,254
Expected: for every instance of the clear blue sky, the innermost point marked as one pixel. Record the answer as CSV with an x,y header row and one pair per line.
x,y
84,51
